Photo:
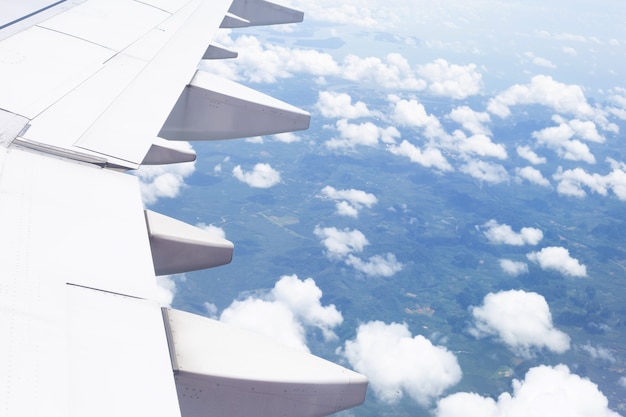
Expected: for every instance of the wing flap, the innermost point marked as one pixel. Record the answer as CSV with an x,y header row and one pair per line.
x,y
179,247
253,376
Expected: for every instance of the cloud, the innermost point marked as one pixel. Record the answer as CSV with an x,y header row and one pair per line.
x,y
572,181
349,202
485,171
339,105
545,391
287,137
363,134
284,314
399,364
214,230
532,175
599,353
451,80
539,61
480,145
471,120
412,113
261,176
521,320
513,268
529,155
166,290
377,265
340,243
559,138
558,259
158,181
429,157
393,73
504,234
542,89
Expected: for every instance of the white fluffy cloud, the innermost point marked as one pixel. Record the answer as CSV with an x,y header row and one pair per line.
x,y
166,290
261,176
485,171
528,154
513,268
504,234
558,259
362,134
572,181
542,89
350,201
451,80
399,364
532,175
285,312
158,181
429,157
377,265
343,244
340,243
521,320
412,113
471,120
339,105
545,391
560,139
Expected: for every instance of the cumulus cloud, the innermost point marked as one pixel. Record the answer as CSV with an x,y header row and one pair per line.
x,y
412,113
429,157
528,154
214,230
572,182
392,72
481,145
284,314
542,89
339,105
362,134
513,268
556,258
343,244
472,121
340,243
560,139
261,176
166,290
158,181
545,391
287,137
399,364
377,265
485,171
532,175
521,320
504,234
451,80
349,202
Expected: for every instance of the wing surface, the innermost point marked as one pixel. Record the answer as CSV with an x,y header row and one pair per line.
x,y
88,90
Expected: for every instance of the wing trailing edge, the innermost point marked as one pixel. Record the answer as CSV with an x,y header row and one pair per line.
x,y
212,108
178,247
253,376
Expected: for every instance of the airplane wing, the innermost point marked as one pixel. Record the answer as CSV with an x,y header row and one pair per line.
x,y
90,89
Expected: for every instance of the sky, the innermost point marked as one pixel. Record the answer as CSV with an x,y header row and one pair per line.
x,y
431,83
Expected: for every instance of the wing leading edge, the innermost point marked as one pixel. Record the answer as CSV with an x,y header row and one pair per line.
x,y
79,105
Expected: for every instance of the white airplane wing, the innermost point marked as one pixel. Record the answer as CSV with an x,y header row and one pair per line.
x,y
90,89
